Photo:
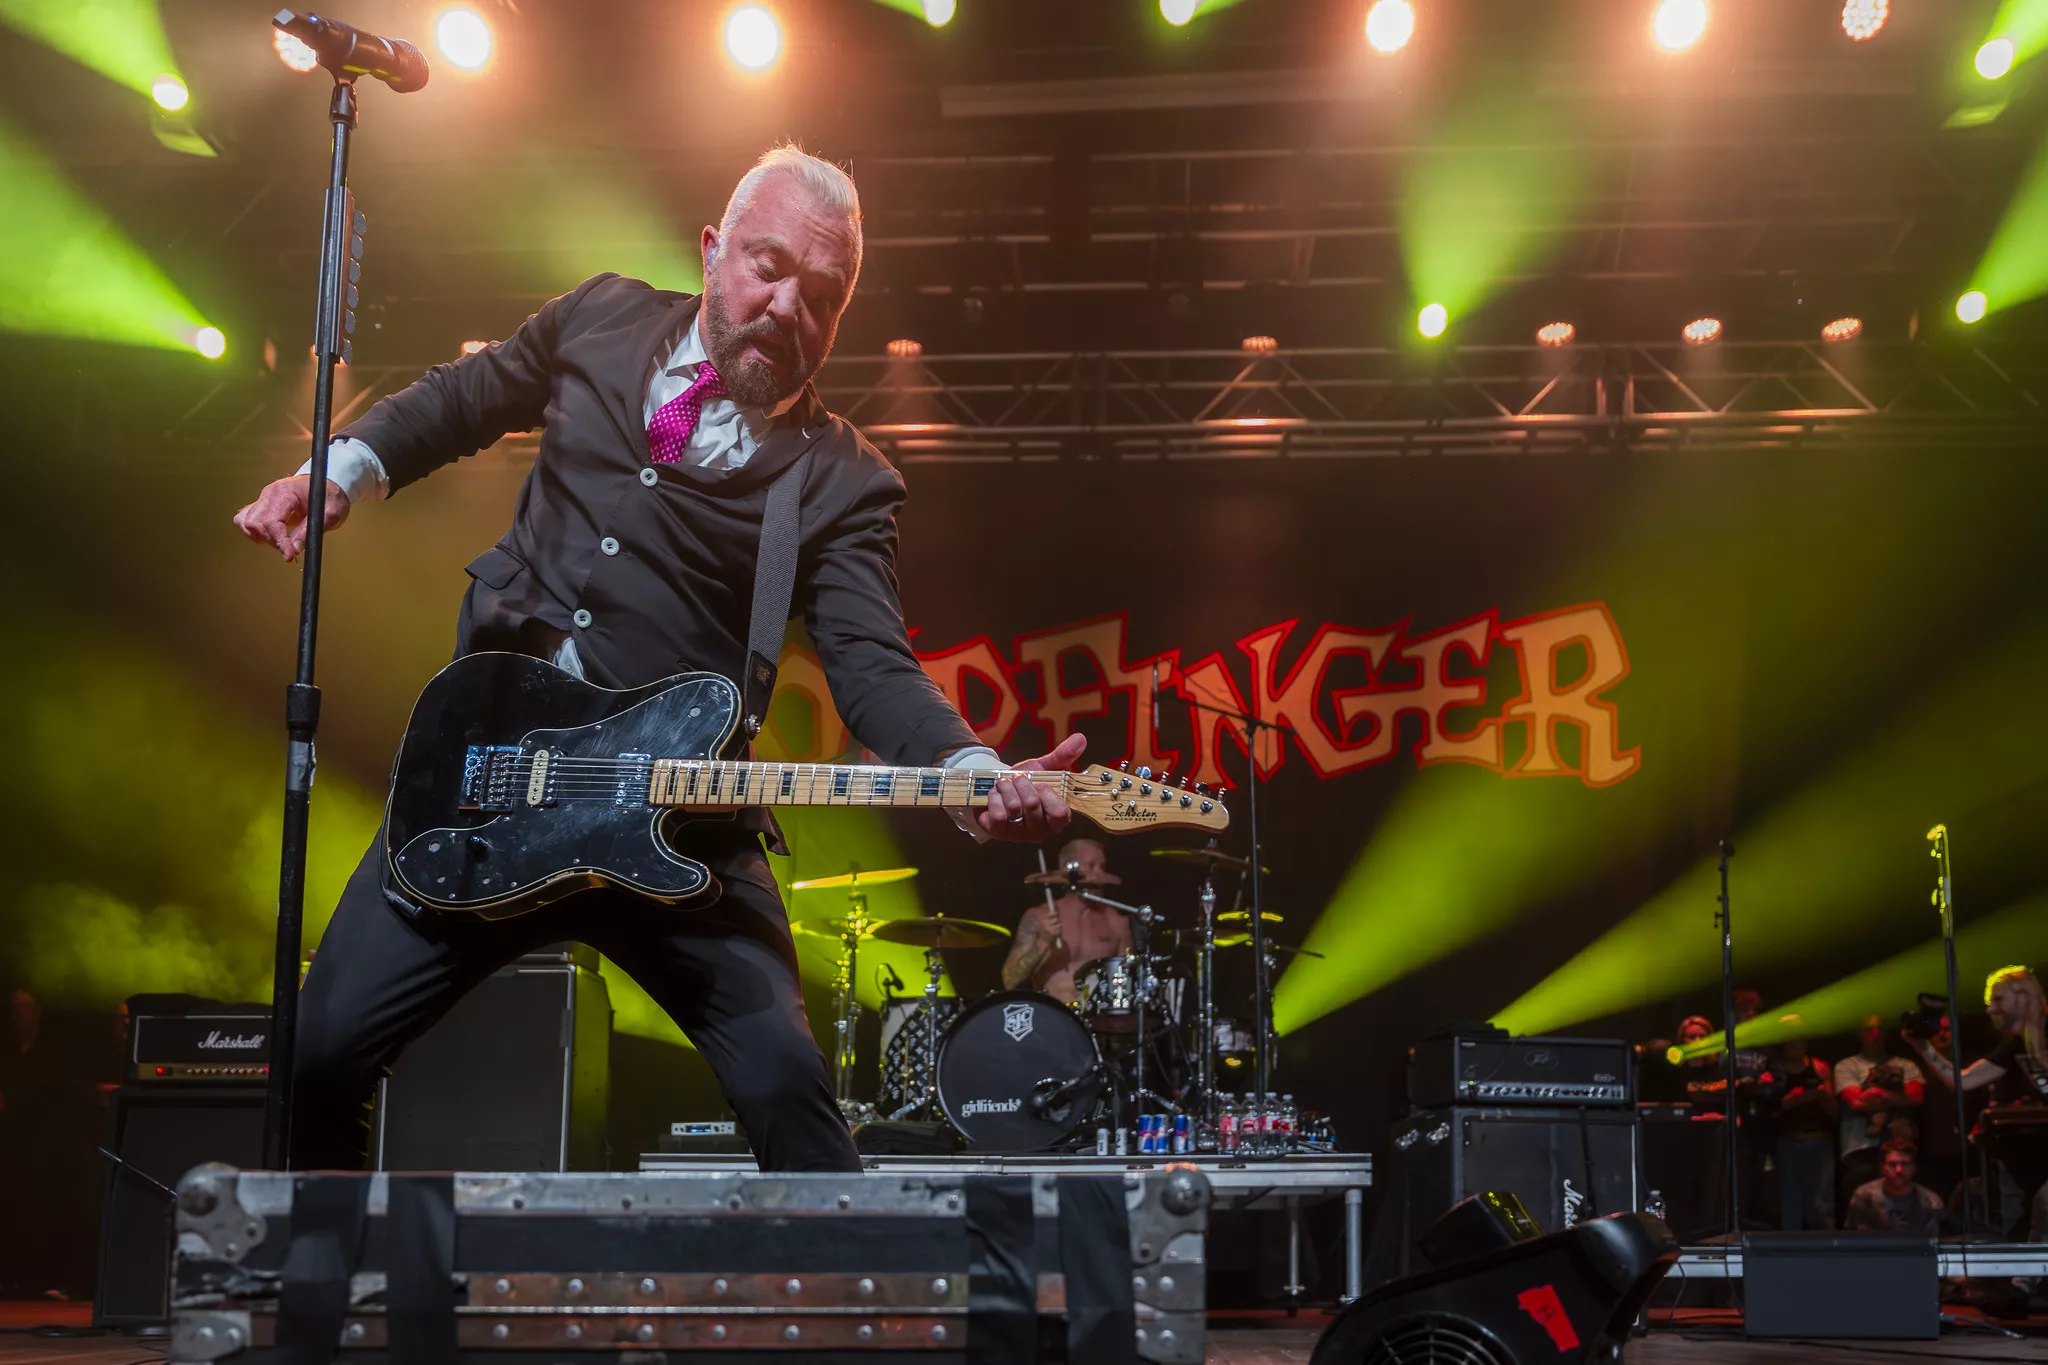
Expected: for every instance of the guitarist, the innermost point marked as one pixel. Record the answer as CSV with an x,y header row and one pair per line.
x,y
631,558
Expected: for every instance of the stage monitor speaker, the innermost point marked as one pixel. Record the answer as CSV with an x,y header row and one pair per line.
x,y
1856,1284
1565,1165
160,1132
514,1078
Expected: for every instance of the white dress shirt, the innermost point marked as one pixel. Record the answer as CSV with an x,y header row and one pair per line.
x,y
726,437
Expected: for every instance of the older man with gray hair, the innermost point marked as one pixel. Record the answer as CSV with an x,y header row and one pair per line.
x,y
631,557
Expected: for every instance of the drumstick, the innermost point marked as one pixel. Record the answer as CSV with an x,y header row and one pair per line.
x,y
1052,911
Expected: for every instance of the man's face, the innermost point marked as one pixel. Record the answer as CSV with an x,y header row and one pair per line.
x,y
1872,1037
1899,1170
774,287
1093,861
2007,1010
1692,1031
1941,1035
1747,1003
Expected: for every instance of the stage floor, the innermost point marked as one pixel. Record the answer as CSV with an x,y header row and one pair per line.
x,y
1234,1339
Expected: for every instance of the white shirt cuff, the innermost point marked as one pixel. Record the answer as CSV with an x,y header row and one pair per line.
x,y
355,469
973,756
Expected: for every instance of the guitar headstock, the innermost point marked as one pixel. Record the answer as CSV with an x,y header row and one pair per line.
x,y
1122,802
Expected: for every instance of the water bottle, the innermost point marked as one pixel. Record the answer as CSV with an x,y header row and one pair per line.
x,y
1289,1121
1228,1127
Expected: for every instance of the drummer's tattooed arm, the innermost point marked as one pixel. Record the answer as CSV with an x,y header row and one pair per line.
x,y
1033,943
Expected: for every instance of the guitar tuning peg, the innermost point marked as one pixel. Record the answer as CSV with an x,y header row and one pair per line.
x,y
1124,766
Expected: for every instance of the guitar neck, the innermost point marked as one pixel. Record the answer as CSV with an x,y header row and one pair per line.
x,y
708,782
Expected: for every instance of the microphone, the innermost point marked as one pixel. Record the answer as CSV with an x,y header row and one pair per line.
x,y
895,981
347,51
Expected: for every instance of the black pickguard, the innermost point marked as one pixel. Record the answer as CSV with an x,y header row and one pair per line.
x,y
596,828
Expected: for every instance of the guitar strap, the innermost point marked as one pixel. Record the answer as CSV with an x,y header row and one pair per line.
x,y
774,581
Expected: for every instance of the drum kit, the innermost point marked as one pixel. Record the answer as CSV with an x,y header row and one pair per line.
x,y
1021,1070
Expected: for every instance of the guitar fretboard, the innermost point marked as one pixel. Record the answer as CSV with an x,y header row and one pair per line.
x,y
703,782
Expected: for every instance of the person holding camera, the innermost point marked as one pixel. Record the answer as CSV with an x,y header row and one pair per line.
x,y
2015,1072
1880,1097
2017,1069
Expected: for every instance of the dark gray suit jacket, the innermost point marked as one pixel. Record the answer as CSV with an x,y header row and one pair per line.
x,y
651,567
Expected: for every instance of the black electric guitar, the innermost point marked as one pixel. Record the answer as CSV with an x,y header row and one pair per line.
x,y
518,783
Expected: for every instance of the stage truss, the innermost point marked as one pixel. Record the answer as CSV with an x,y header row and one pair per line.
x,y
1351,402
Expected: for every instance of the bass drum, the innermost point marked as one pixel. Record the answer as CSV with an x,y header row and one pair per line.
x,y
1003,1053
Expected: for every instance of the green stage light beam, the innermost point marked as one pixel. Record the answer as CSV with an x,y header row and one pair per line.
x,y
2014,267
572,220
2017,933
67,270
2023,23
1473,212
937,13
1696,582
123,40
1820,860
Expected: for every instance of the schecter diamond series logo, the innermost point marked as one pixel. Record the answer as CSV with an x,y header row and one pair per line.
x,y
1017,1020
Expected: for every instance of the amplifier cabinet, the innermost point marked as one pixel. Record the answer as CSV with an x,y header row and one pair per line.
x,y
515,1077
1565,1165
160,1132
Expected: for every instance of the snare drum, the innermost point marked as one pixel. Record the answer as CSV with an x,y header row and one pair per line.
x,y
1112,988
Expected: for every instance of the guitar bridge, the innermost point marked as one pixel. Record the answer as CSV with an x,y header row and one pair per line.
x,y
490,777
636,774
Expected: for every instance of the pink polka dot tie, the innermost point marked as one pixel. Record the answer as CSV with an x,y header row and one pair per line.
x,y
670,430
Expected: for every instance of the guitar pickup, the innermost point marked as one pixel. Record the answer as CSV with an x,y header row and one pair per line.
x,y
490,777
636,776
540,779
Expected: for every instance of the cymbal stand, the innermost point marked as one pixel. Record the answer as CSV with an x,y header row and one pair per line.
x,y
934,967
849,1005
1141,917
1205,1014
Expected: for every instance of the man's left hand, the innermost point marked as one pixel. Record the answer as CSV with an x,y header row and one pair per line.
x,y
1020,810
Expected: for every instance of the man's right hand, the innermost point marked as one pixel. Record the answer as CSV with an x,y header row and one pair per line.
x,y
278,516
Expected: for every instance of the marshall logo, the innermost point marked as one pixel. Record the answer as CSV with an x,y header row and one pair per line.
x,y
217,1041
1572,1200
973,1107
1017,1020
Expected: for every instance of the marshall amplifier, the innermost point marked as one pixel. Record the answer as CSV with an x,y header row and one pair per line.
x,y
1565,1165
186,1038
1467,1069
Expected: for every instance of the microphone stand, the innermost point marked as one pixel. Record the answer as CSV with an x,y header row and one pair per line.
x,y
302,698
1262,999
1944,887
1733,1182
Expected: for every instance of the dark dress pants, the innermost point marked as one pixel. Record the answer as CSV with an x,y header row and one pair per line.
x,y
726,974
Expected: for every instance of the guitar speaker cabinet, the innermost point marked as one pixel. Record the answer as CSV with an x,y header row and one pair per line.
x,y
160,1132
1565,1165
514,1078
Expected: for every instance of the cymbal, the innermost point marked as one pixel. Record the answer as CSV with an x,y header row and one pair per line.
x,y
1245,941
1209,858
820,928
859,877
1245,917
940,933
1057,876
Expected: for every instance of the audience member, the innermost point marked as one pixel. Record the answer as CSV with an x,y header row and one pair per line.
x,y
1894,1202
1879,1096
1805,1144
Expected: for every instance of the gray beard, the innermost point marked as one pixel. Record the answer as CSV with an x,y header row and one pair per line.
x,y
749,382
